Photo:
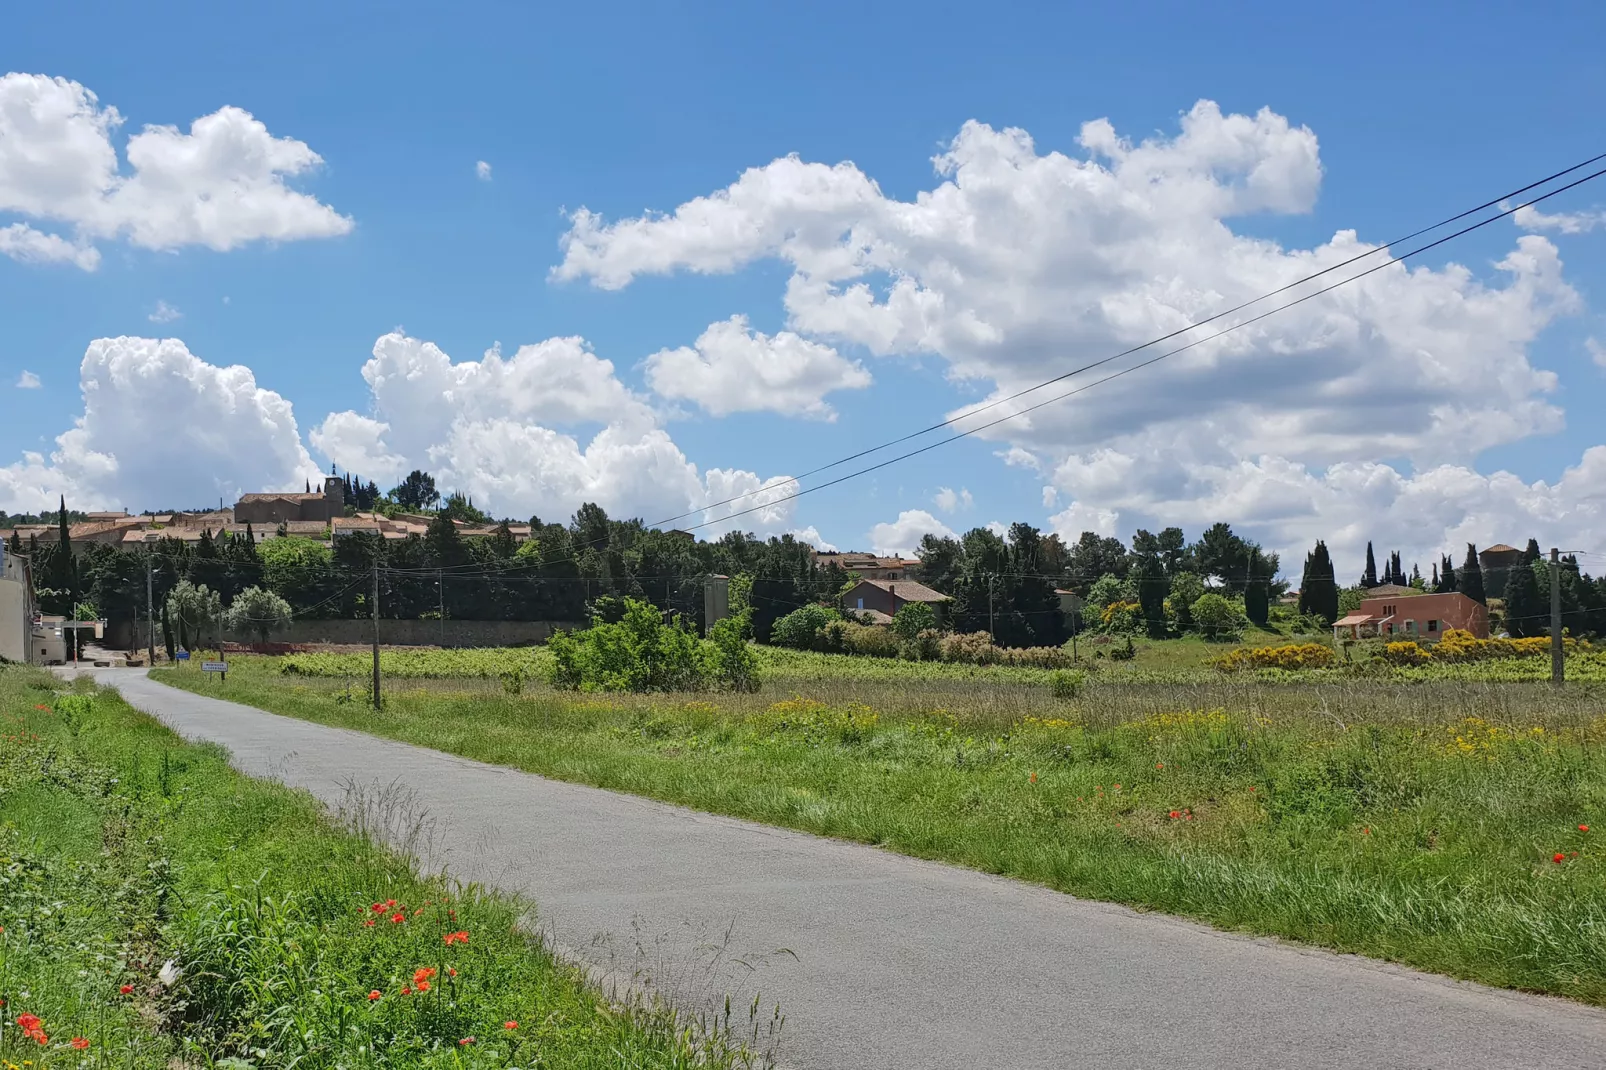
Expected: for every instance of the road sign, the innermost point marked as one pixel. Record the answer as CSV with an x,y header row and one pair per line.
x,y
214,666
182,655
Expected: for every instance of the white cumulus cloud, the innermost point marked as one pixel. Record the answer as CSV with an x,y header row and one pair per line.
x,y
1531,218
902,536
733,368
482,171
162,428
1018,264
536,433
948,500
28,381
221,184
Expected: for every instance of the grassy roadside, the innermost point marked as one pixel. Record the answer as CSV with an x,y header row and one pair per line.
x,y
159,909
1441,824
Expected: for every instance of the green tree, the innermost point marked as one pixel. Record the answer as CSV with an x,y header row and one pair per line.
x,y
913,618
258,612
1093,557
1257,590
1527,609
1216,616
416,492
1110,589
1186,587
1471,579
196,610
1152,589
1318,590
1369,575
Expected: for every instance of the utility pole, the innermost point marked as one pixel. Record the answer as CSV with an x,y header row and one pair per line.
x,y
150,616
440,591
375,601
1558,672
990,626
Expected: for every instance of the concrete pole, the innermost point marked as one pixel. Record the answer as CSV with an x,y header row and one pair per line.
x,y
1558,672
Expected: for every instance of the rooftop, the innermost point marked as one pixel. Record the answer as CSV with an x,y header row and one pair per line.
x,y
908,590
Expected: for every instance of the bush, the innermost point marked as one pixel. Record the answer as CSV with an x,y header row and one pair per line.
x,y
639,653
802,628
913,618
1067,684
732,665
971,648
1122,617
871,640
1291,656
1406,652
1216,617
925,646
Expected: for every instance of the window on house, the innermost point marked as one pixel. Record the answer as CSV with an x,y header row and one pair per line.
x,y
1410,625
861,603
1433,625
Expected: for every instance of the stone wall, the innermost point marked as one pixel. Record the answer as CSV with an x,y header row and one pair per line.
x,y
454,633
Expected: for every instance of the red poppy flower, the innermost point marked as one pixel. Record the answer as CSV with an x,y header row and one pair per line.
x,y
1159,765
510,1025
451,971
397,918
1175,814
459,937
378,908
1558,858
369,923
28,1022
1033,778
79,1042
406,990
422,986
423,973
1583,828
375,994
126,989
466,1041
41,706
390,902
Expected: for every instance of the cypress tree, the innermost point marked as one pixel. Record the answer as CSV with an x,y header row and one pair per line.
x,y
1318,590
1369,575
1435,584
1471,582
1152,588
1447,577
1257,591
1527,611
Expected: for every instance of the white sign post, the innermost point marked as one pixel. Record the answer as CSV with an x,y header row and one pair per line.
x,y
219,667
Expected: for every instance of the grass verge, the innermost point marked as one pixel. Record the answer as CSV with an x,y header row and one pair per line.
x,y
159,909
1446,825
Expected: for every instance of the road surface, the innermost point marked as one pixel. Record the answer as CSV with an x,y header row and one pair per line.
x,y
881,961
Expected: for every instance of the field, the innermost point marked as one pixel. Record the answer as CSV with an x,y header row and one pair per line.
x,y
1444,819
158,909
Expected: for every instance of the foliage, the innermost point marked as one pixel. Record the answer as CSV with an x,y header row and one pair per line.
x,y
1110,589
1470,582
194,610
416,492
1216,617
803,628
913,618
1186,587
1122,617
258,612
638,653
1318,589
1067,684
1405,652
731,662
1290,657
160,910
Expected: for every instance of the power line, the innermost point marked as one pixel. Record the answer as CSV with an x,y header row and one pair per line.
x,y
1152,342
1142,364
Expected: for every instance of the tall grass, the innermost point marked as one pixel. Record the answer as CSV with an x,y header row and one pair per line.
x,y
1417,821
159,909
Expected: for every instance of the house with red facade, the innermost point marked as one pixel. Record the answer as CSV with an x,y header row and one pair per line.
x,y
1414,616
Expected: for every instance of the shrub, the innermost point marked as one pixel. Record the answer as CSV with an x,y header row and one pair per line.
x,y
913,618
925,646
1215,616
872,640
1406,652
801,629
732,665
1067,684
1122,617
639,653
1291,656
973,648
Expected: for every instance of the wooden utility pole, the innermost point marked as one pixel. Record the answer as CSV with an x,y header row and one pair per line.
x,y
375,601
1558,672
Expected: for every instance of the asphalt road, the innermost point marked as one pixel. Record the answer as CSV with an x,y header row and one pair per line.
x,y
882,961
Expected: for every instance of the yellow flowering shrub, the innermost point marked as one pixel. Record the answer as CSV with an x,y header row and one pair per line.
x,y
1405,652
1288,656
1459,645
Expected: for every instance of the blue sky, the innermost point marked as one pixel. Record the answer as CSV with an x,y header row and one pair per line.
x,y
1419,110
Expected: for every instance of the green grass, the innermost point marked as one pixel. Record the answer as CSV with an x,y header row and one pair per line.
x,y
123,849
1411,821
